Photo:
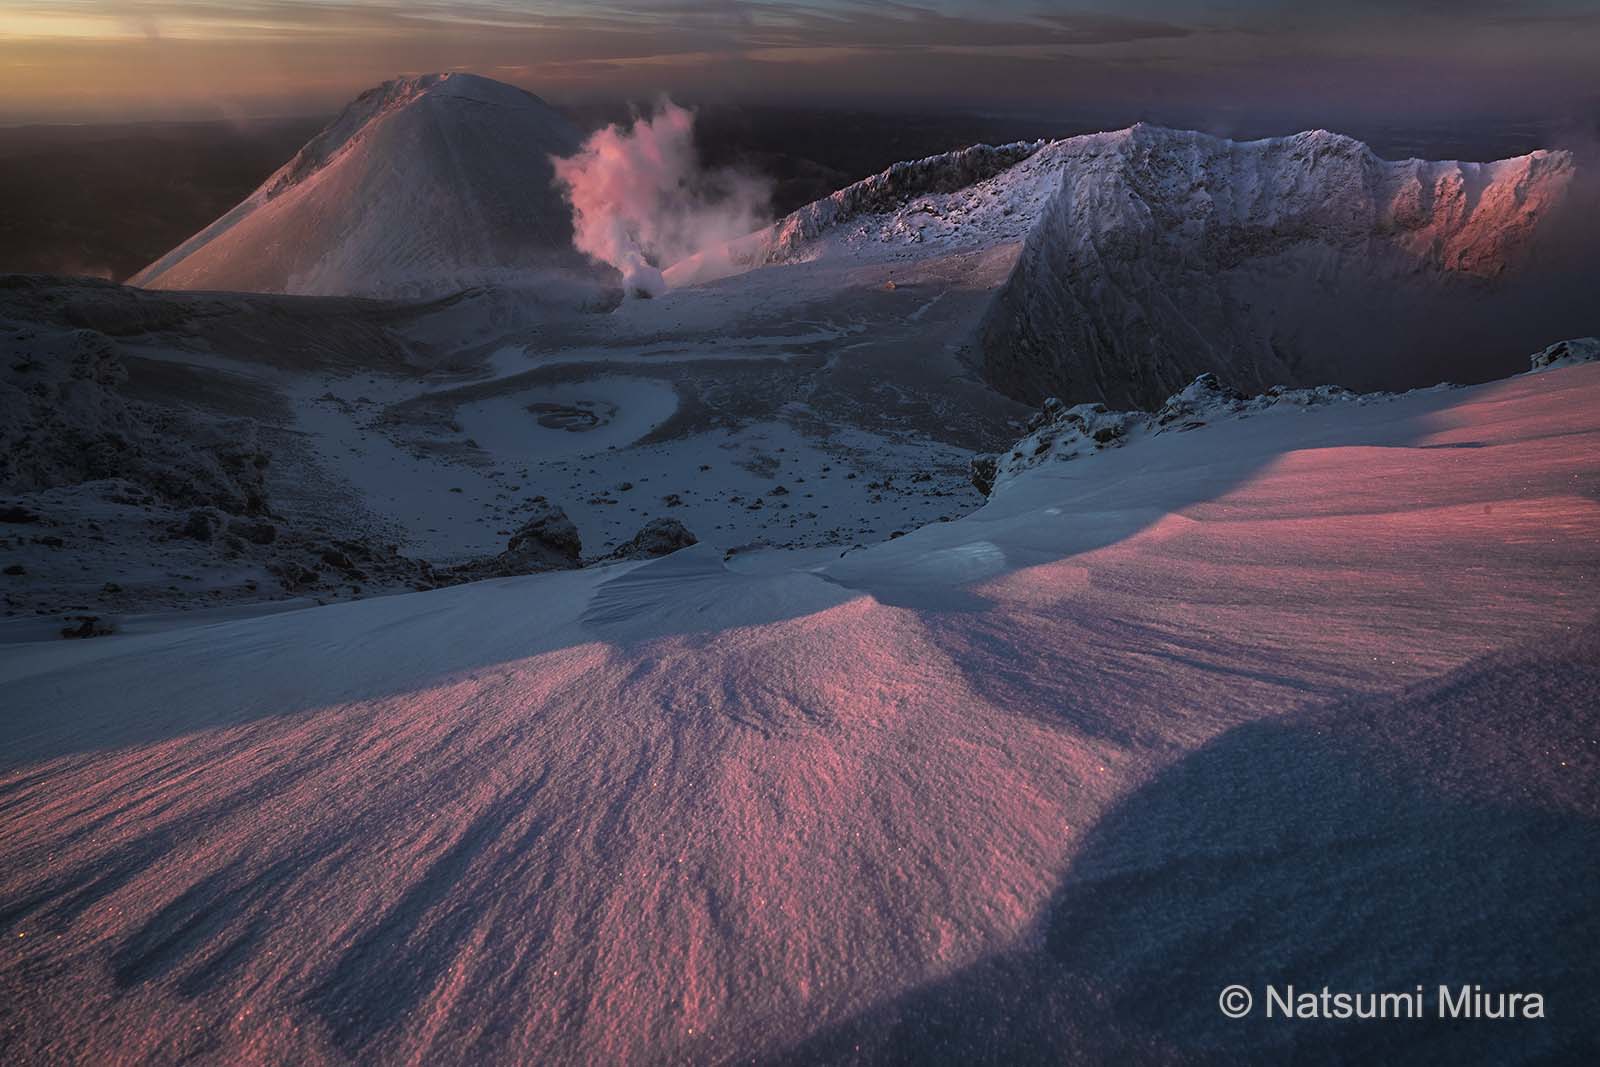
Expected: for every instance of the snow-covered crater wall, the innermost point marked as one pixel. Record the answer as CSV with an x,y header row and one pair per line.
x,y
1164,254
801,235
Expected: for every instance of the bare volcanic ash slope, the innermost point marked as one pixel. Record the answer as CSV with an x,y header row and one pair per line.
x,y
423,186
1306,696
1144,257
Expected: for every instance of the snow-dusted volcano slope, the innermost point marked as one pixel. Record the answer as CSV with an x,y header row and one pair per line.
x,y
423,186
1147,256
1310,696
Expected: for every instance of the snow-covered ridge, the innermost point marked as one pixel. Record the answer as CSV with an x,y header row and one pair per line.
x,y
795,236
887,191
1059,433
1146,256
1163,254
359,116
1458,216
1566,354
1311,185
423,186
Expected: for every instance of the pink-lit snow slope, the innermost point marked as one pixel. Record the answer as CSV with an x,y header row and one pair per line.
x,y
423,186
1309,697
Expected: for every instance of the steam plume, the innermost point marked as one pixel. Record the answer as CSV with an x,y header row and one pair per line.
x,y
641,200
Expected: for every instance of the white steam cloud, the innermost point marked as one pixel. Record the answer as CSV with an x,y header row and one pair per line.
x,y
641,201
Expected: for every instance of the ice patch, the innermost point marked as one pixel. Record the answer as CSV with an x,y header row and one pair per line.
x,y
576,419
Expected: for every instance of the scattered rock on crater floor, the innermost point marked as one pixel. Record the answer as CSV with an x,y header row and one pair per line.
x,y
658,537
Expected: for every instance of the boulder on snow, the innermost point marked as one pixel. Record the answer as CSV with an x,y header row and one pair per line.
x,y
1204,397
81,626
1566,353
547,541
983,471
549,536
256,531
200,526
658,537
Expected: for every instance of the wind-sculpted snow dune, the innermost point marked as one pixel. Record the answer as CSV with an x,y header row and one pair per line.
x,y
1305,697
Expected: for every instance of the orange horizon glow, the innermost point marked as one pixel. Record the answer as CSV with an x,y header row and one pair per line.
x,y
104,60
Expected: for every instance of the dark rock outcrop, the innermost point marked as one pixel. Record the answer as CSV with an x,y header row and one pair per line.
x,y
658,537
547,541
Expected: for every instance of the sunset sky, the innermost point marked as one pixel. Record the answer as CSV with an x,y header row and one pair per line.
x,y
87,60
